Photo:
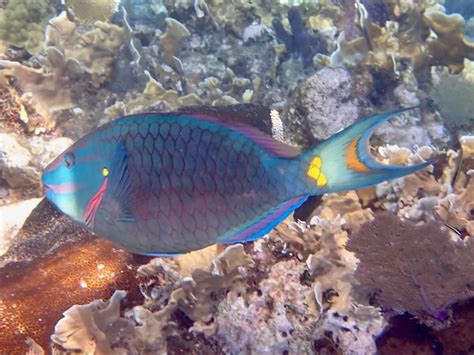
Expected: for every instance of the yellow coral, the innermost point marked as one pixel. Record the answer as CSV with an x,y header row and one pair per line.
x,y
94,50
22,23
92,10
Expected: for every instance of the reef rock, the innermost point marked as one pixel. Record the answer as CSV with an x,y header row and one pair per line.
x,y
322,105
12,217
22,159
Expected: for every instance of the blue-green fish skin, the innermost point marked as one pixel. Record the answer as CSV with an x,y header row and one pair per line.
x,y
165,184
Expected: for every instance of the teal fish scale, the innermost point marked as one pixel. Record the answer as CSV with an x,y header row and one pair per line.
x,y
192,183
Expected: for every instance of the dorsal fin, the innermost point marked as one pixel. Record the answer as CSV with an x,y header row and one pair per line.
x,y
257,116
252,121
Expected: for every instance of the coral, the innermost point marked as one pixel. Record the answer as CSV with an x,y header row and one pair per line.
x,y
346,205
450,47
91,11
301,41
412,268
381,47
12,109
154,98
22,23
443,193
47,89
94,50
51,265
255,32
92,328
194,296
249,323
452,95
321,106
171,42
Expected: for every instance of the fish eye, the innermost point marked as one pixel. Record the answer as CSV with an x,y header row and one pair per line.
x,y
69,160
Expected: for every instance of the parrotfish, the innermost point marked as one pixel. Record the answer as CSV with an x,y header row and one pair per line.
x,y
170,183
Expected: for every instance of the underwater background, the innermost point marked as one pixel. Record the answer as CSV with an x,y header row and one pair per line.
x,y
387,269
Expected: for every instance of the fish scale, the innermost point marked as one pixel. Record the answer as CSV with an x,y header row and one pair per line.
x,y
210,177
170,183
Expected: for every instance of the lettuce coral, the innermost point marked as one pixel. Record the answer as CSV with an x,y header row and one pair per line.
x,y
93,51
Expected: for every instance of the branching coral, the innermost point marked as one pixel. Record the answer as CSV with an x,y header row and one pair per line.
x,y
382,46
450,47
94,50
442,194
413,268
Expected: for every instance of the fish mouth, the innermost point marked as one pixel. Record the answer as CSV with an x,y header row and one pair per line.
x,y
63,188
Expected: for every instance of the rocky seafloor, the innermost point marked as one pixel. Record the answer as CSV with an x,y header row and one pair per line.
x,y
385,270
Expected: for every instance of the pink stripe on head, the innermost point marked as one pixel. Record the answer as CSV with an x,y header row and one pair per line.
x,y
65,188
93,205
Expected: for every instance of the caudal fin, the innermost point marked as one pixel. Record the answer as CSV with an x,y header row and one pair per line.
x,y
343,162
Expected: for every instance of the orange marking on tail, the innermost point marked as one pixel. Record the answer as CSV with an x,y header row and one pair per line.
x,y
352,158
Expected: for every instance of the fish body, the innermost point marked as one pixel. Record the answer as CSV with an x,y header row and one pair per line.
x,y
169,183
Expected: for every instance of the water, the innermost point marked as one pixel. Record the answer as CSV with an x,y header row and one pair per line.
x,y
69,67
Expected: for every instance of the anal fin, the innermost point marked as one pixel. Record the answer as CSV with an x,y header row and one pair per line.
x,y
263,224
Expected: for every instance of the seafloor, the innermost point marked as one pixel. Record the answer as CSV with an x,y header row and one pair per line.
x,y
386,270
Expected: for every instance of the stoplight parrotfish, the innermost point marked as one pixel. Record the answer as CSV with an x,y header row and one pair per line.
x,y
170,183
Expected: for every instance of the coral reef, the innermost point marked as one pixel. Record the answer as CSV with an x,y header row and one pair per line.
x,y
22,23
51,265
300,289
381,47
412,268
89,10
300,41
92,52
47,90
452,93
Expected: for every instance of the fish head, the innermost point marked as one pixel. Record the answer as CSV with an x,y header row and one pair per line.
x,y
75,177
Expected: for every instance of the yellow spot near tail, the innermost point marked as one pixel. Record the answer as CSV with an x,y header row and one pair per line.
x,y
105,171
315,172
